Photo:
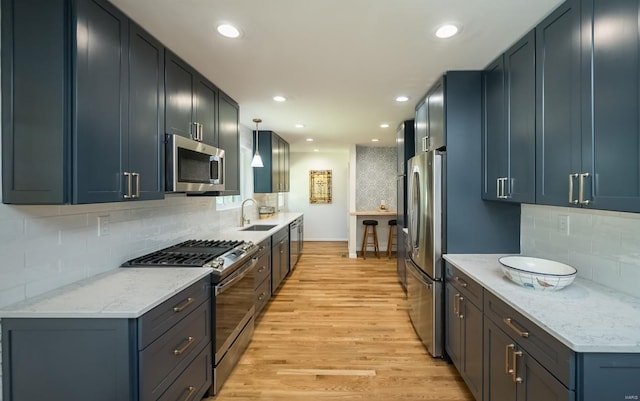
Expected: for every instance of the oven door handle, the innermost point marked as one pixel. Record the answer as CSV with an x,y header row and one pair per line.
x,y
237,276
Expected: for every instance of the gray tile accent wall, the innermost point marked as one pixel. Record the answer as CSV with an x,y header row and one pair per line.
x,y
604,246
376,171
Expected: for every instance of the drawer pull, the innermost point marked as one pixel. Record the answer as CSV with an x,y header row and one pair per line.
x,y
261,297
181,350
261,269
521,333
183,305
462,282
190,392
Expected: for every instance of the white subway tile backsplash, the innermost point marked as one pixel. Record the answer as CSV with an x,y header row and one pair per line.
x,y
604,246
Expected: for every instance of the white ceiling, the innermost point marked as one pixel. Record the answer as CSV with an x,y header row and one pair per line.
x,y
341,63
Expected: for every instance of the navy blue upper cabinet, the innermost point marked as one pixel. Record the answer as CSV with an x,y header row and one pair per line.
x,y
510,123
429,123
191,102
611,104
228,140
558,136
274,176
495,141
67,70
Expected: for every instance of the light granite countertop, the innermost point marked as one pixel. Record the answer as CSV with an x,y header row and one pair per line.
x,y
118,293
585,316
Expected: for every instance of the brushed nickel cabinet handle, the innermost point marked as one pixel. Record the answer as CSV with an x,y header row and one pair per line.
x,y
508,369
498,183
136,176
183,305
514,371
127,195
455,304
190,392
188,342
571,200
460,315
261,297
509,323
582,200
261,269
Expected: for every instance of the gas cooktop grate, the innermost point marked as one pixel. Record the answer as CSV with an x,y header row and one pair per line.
x,y
190,253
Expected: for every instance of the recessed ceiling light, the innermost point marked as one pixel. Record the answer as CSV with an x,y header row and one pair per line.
x,y
279,98
385,125
299,125
402,98
375,140
447,31
316,150
228,31
309,139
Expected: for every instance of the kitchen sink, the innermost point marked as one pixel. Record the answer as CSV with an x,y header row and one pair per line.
x,y
259,227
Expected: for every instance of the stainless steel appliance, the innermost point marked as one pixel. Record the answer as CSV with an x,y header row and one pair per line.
x,y
296,240
424,268
193,166
233,308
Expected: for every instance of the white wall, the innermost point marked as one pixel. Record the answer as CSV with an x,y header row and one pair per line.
x,y
322,222
603,246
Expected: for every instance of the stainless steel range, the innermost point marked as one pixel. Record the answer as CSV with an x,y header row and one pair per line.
x,y
233,293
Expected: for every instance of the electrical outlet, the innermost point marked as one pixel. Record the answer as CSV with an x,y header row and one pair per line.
x,y
103,226
563,224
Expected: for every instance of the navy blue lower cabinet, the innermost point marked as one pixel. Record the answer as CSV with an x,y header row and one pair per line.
x,y
609,376
512,374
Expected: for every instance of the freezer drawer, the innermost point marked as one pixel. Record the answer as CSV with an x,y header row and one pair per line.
x,y
425,308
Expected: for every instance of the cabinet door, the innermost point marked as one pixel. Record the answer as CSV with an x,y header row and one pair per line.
x,y
276,261
538,383
498,349
284,165
558,151
228,135
436,128
275,163
520,90
470,317
146,113
452,325
179,81
263,176
495,149
611,128
421,126
205,100
35,102
284,257
101,102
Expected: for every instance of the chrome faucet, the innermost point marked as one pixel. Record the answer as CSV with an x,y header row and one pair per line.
x,y
242,219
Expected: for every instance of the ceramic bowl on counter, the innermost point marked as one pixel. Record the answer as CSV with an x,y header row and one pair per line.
x,y
536,273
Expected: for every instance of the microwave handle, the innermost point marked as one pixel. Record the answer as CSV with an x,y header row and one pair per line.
x,y
219,160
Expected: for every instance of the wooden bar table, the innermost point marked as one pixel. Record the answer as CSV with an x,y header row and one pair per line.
x,y
356,231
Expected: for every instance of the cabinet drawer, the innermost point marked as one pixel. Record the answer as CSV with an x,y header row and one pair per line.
x,y
194,382
464,284
279,236
159,319
163,360
263,294
542,346
263,268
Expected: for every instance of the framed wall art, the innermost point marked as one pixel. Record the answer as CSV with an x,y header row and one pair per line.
x,y
319,186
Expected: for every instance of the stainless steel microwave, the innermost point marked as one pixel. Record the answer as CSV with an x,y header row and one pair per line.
x,y
193,166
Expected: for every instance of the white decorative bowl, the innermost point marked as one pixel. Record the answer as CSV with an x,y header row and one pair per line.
x,y
537,274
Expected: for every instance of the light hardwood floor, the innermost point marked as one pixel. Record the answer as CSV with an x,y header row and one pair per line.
x,y
338,330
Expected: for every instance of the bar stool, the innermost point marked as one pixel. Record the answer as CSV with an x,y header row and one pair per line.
x,y
370,224
393,233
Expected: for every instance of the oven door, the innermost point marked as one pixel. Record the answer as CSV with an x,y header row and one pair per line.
x,y
234,306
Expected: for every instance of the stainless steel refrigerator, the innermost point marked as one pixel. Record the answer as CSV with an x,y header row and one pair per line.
x,y
424,266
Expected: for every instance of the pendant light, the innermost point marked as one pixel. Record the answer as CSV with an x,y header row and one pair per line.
x,y
257,160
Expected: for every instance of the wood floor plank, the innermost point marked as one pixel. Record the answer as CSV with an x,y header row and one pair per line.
x,y
338,329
